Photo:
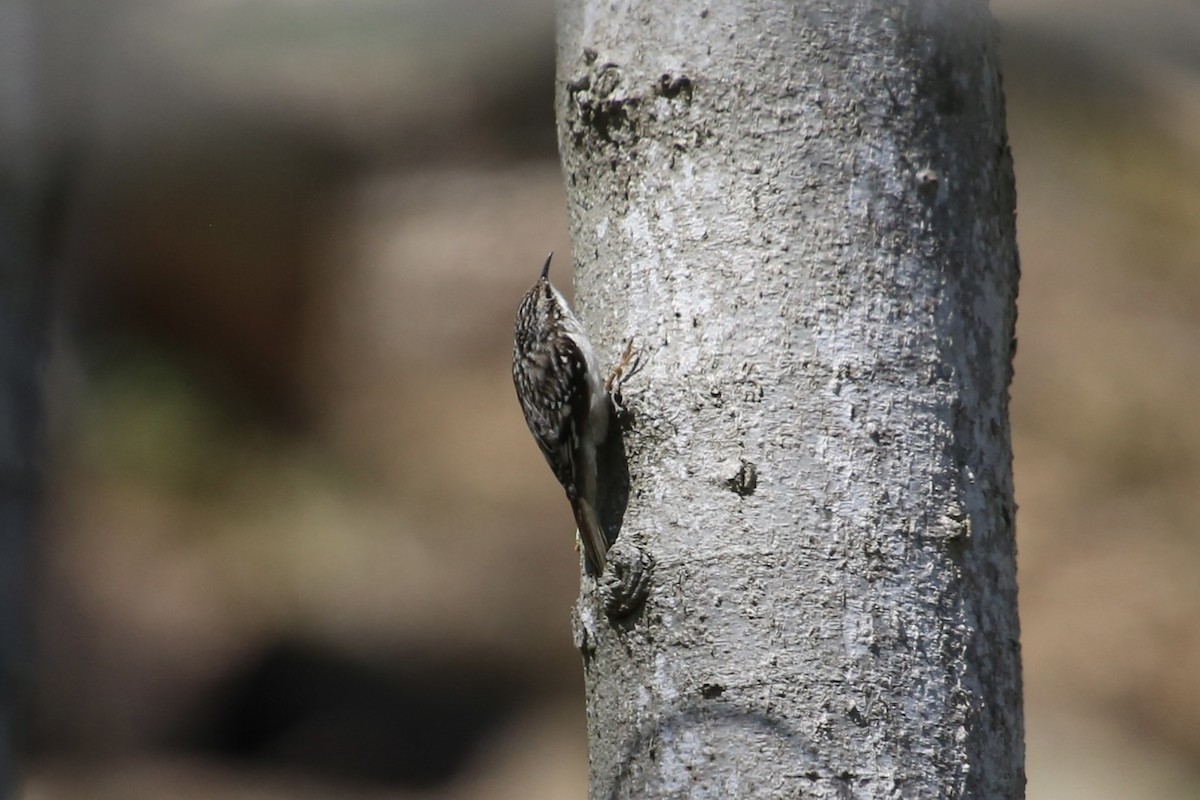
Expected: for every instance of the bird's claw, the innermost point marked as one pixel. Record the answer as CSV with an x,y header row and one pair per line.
x,y
626,367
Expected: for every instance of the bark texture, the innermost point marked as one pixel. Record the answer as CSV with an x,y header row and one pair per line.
x,y
22,314
804,214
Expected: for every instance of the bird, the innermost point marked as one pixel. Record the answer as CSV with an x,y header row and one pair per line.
x,y
566,402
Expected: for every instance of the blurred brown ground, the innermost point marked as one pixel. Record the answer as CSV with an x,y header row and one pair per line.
x,y
298,541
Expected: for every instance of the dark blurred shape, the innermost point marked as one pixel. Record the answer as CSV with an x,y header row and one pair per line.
x,y
212,177
316,711
517,114
212,245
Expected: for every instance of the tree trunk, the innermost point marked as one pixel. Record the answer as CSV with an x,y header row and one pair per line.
x,y
22,314
804,214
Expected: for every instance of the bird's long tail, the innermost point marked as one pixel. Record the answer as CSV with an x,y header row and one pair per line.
x,y
591,536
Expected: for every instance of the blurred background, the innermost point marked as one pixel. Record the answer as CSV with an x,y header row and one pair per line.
x,y
298,542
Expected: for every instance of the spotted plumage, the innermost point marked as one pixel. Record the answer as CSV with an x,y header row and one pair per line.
x,y
565,402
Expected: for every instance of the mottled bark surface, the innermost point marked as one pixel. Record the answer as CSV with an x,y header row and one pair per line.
x,y
804,213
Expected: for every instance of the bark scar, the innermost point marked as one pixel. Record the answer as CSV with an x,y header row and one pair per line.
x,y
626,582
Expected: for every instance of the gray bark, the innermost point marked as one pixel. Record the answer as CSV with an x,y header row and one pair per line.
x,y
22,316
804,214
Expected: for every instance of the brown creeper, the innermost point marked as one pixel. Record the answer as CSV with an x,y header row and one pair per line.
x,y
566,402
